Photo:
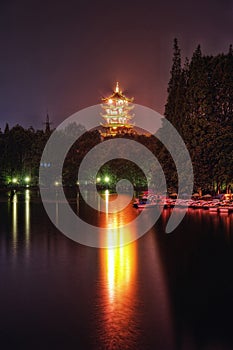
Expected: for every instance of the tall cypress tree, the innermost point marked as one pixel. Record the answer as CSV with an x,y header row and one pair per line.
x,y
7,129
173,86
199,92
227,82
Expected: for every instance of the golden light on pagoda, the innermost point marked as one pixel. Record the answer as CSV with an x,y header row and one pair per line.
x,y
116,114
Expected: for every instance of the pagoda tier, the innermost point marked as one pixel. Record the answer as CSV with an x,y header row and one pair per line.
x,y
116,114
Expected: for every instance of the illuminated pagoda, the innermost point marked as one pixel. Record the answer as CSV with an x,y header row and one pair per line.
x,y
116,114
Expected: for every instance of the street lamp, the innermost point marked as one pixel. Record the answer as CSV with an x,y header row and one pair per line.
x,y
106,179
27,179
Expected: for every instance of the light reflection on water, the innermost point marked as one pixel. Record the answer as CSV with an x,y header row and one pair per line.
x,y
117,288
119,323
14,209
14,223
27,218
132,288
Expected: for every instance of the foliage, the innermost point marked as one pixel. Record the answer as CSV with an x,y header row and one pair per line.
x,y
200,106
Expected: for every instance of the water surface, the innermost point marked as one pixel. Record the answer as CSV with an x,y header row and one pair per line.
x,y
163,291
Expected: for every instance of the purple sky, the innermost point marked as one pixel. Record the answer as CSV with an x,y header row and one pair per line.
x,y
63,55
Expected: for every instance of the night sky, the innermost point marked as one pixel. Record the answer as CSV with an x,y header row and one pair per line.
x,y
63,55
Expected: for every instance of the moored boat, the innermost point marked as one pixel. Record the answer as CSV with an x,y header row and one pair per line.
x,y
213,209
144,202
223,210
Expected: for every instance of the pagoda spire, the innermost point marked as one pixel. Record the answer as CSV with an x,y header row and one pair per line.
x,y
117,87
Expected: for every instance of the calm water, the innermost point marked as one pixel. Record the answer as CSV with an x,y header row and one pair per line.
x,y
161,292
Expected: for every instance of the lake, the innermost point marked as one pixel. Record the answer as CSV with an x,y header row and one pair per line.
x,y
163,291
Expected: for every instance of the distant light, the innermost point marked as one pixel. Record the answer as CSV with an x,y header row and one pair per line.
x,y
27,179
110,101
45,165
98,179
14,180
56,183
106,179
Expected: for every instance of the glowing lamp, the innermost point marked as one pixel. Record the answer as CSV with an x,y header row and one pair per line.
x,y
106,179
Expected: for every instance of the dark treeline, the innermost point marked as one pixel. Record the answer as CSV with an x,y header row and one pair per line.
x,y
199,105
21,151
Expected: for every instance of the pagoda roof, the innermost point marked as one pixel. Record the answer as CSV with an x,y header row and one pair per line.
x,y
117,125
117,95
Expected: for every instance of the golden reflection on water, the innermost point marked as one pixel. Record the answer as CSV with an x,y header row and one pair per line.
x,y
119,234
120,323
118,290
14,221
17,220
119,266
27,217
118,263
106,202
118,293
